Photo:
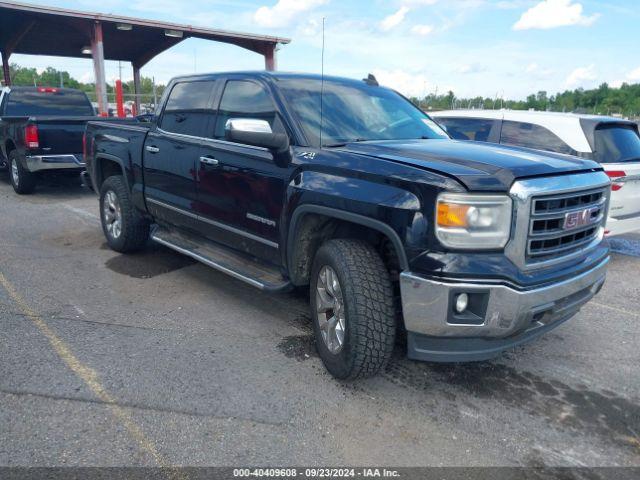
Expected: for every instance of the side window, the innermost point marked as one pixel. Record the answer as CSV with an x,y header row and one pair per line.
x,y
528,135
188,109
246,99
477,129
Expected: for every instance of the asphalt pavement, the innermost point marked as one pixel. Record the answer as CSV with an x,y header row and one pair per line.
x,y
153,360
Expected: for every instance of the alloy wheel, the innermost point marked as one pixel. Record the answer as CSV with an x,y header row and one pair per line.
x,y
112,214
15,174
330,309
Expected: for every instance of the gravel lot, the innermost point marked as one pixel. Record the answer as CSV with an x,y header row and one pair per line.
x,y
152,359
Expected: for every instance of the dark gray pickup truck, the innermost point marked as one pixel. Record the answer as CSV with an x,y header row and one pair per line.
x,y
41,131
344,187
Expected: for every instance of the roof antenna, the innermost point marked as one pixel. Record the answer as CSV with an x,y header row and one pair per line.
x,y
322,82
371,80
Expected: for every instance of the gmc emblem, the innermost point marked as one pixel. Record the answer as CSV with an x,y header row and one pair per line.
x,y
580,218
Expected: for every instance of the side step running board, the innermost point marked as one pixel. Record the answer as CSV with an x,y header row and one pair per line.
x,y
237,265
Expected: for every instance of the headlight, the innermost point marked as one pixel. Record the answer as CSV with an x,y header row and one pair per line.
x,y
469,221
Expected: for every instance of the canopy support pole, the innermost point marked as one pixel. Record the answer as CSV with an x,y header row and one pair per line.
x,y
97,53
136,87
270,60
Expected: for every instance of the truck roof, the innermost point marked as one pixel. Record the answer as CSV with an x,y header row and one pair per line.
x,y
270,75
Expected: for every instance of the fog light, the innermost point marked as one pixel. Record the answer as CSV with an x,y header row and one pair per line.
x,y
462,301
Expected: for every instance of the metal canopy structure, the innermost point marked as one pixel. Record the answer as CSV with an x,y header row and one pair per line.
x,y
41,30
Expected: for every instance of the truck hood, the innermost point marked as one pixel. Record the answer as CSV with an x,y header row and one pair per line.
x,y
477,165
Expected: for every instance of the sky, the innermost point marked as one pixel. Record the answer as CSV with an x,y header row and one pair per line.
x,y
491,48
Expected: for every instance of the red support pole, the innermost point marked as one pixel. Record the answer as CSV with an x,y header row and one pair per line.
x,y
119,98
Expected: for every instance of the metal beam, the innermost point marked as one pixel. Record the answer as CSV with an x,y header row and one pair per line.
x,y
136,87
13,42
157,49
5,68
97,52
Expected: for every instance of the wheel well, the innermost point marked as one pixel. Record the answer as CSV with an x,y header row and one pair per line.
x,y
313,229
107,168
8,148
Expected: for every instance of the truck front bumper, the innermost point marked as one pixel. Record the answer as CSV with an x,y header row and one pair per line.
x,y
37,163
497,317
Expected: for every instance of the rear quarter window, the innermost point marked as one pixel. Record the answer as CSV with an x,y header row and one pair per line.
x,y
188,110
47,101
529,135
616,143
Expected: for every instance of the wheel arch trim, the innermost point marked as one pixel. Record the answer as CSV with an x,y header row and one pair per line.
x,y
374,224
111,158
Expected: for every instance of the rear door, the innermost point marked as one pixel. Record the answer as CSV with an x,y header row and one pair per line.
x,y
617,149
172,150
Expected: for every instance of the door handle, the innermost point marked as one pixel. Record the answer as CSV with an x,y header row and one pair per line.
x,y
209,160
152,149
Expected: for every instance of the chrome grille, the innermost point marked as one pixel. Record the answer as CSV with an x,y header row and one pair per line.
x,y
562,224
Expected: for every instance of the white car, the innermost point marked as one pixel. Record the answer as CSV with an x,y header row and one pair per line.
x,y
610,141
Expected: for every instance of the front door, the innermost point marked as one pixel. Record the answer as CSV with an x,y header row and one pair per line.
x,y
240,188
172,152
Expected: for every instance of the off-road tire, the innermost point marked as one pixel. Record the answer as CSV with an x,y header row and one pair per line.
x,y
135,227
370,325
26,181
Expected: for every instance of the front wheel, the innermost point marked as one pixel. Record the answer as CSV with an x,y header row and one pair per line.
x,y
124,227
352,307
22,180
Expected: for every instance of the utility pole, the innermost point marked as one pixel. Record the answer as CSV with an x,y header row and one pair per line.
x,y
61,80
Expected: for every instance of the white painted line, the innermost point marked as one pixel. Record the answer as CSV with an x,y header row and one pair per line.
x,y
83,213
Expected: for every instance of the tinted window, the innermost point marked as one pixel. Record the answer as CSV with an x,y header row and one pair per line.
x,y
355,111
188,109
617,143
532,136
468,128
48,101
244,99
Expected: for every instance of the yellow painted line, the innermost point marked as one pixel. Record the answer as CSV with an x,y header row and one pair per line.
x,y
88,376
616,309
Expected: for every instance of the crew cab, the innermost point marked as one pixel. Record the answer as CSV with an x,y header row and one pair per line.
x,y
346,188
41,132
612,142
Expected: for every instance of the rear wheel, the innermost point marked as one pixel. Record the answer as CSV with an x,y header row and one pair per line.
x,y
124,227
22,180
352,307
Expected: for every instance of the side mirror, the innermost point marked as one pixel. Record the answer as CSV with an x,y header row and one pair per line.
x,y
257,132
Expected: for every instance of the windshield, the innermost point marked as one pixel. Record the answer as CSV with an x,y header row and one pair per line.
x,y
355,112
48,101
617,143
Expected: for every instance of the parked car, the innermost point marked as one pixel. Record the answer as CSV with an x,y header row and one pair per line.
x,y
41,132
612,142
343,186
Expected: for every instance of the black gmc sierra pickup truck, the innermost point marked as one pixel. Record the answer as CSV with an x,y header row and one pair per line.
x,y
41,132
284,180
